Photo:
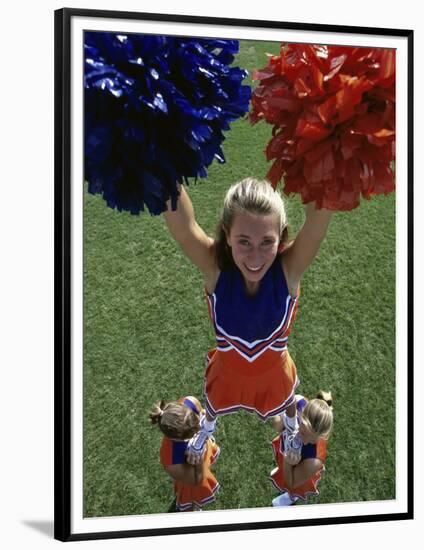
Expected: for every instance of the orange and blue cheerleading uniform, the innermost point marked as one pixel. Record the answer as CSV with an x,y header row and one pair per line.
x,y
311,450
251,368
174,452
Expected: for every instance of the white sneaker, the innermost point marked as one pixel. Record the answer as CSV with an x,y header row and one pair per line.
x,y
284,500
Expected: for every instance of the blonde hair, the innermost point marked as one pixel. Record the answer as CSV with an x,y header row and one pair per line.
x,y
318,414
250,196
175,420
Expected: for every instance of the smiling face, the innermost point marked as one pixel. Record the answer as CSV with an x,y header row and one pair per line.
x,y
254,241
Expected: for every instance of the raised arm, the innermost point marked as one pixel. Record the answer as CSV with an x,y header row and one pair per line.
x,y
196,245
306,244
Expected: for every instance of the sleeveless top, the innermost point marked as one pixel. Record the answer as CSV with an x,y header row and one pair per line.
x,y
251,325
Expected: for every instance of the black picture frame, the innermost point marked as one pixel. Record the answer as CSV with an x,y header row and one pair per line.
x,y
63,20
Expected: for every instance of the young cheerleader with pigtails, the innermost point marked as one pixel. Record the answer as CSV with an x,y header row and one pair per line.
x,y
194,485
299,470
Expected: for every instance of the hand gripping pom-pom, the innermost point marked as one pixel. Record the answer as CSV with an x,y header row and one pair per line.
x,y
332,109
156,108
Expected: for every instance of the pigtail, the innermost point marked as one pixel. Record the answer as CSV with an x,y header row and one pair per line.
x,y
157,411
174,419
327,397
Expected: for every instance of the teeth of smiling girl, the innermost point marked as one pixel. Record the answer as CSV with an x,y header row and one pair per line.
x,y
254,268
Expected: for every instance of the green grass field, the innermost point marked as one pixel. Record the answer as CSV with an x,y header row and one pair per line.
x,y
146,331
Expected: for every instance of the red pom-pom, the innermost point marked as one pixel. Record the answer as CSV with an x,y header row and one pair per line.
x,y
333,114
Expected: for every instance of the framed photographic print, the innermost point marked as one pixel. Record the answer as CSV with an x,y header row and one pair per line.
x,y
233,274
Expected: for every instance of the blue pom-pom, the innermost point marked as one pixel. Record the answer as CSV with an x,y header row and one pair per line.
x,y
156,108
